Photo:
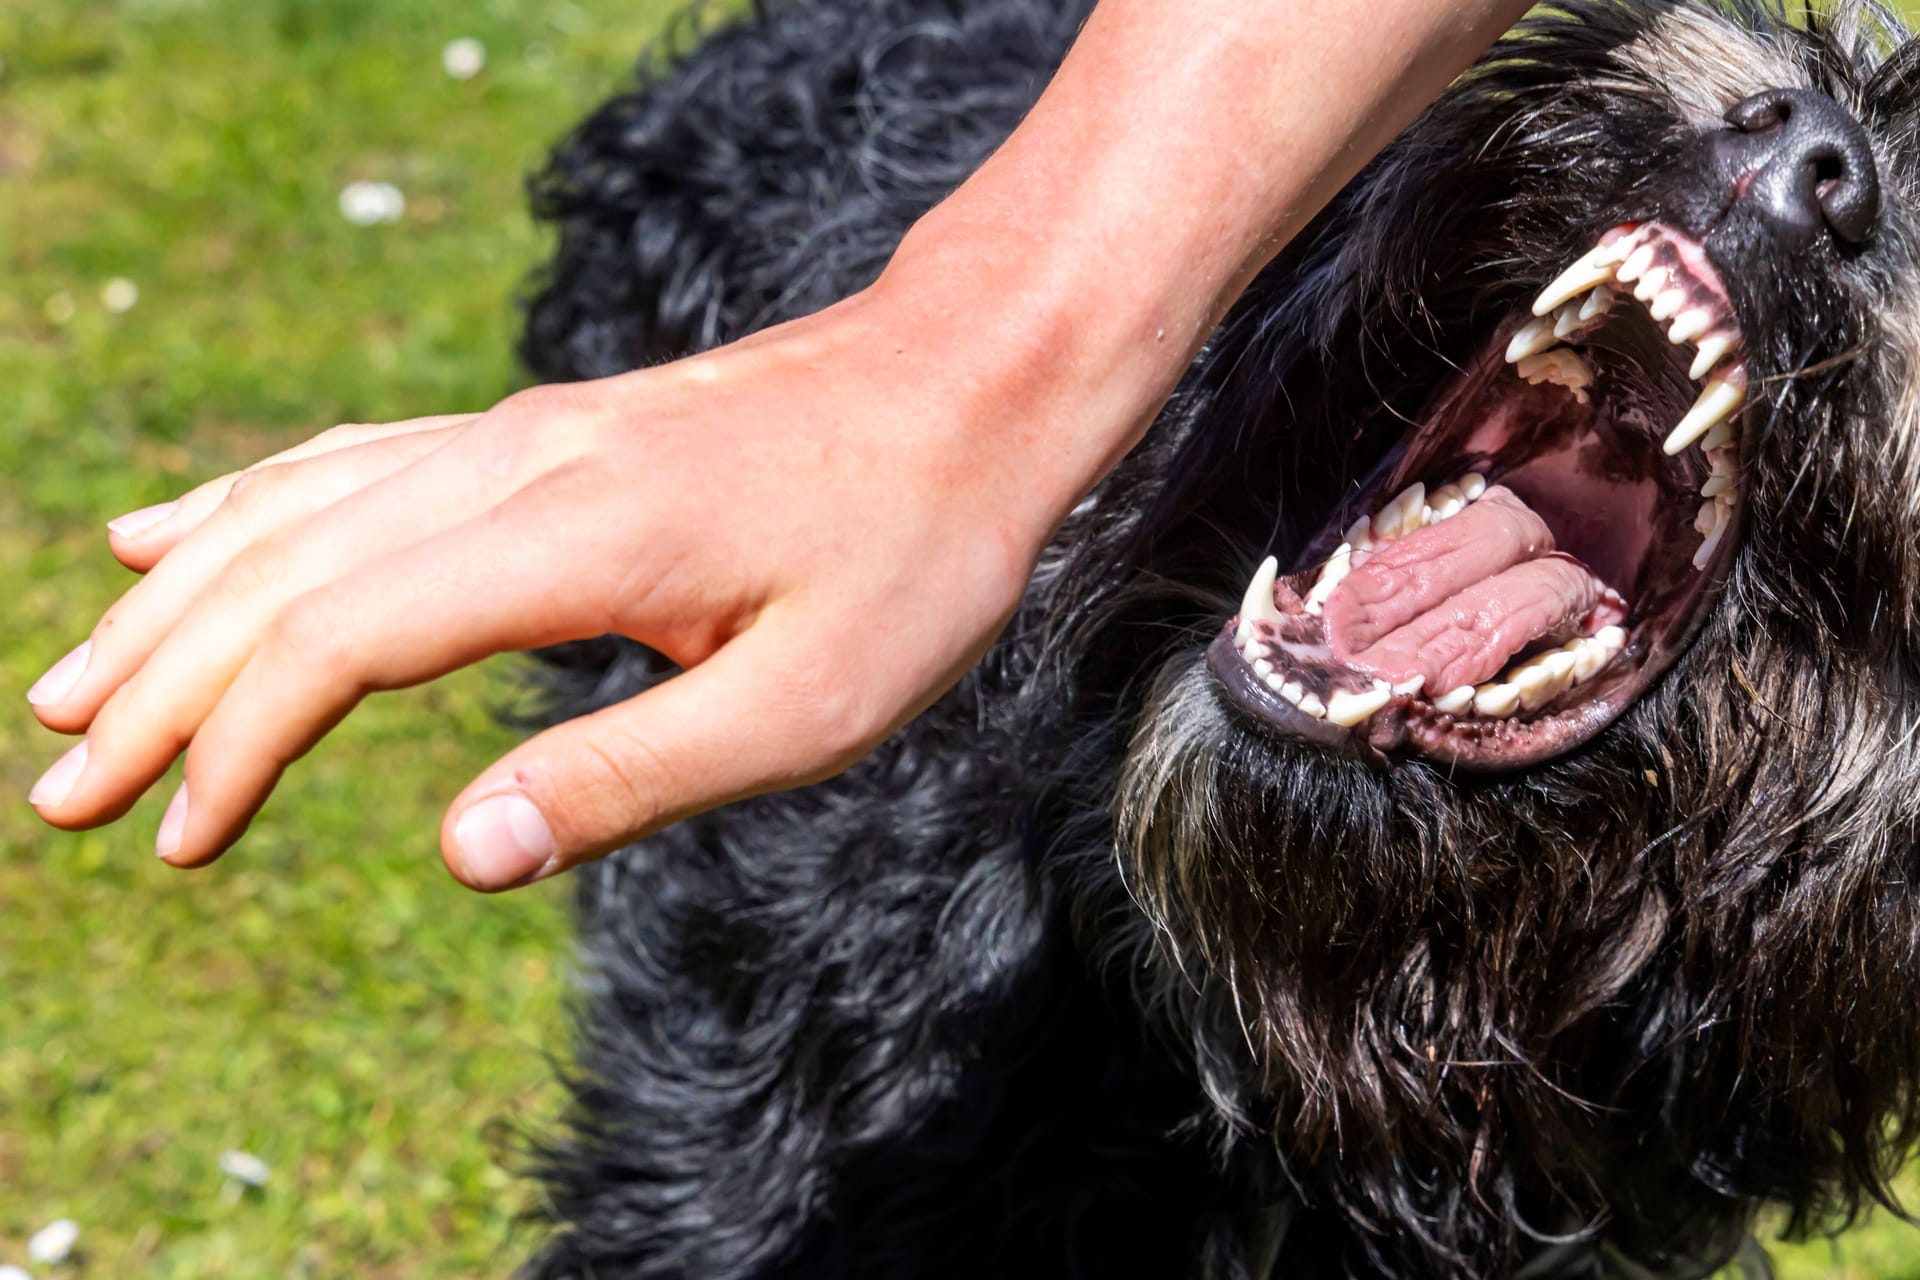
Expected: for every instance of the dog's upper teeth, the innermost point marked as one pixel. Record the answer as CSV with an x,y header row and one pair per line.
x,y
1636,264
1332,574
1597,303
1709,353
1667,305
1257,605
1689,325
1560,366
1531,338
1348,709
1651,284
1593,267
1719,400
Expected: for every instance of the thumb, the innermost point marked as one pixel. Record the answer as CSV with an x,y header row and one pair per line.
x,y
736,725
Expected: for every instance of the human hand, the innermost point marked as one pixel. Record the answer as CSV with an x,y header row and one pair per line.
x,y
818,523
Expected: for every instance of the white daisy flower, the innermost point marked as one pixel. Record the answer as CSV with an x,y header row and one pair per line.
x,y
54,1242
243,1166
464,58
367,204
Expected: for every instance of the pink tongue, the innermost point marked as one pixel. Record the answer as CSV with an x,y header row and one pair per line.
x,y
1454,601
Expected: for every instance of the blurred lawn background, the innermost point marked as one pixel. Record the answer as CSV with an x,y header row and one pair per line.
x,y
326,998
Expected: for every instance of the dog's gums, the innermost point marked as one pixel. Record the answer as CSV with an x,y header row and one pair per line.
x,y
1537,550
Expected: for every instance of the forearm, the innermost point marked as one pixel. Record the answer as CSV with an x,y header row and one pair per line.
x,y
1181,144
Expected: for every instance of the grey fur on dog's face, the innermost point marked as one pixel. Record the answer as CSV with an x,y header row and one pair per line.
x,y
1680,959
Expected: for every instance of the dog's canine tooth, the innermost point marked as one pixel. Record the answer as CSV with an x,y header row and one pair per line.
x,y
1667,305
1257,604
1722,517
1689,325
1596,304
1456,701
1496,700
1530,338
1473,484
1593,267
1360,534
1709,353
1636,264
1311,704
1718,400
1346,708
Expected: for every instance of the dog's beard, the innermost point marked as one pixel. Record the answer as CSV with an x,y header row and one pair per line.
x,y
1627,991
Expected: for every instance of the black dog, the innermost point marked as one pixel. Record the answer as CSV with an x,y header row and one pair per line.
x,y
1520,888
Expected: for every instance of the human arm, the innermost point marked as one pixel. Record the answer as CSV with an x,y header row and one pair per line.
x,y
825,523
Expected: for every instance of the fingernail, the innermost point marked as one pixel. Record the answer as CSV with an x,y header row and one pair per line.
x,y
60,678
173,823
502,840
135,523
56,784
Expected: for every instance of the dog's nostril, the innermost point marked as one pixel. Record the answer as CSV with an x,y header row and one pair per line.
x,y
1804,164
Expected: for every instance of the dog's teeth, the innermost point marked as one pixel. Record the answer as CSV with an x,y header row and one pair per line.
x,y
1347,709
1649,285
1332,574
1542,678
1497,700
1254,650
1447,500
1589,655
1566,320
1689,325
1719,438
1636,264
1561,367
1360,534
1277,683
1292,691
1455,702
1531,338
1257,605
1410,688
1402,515
1709,353
1311,704
1715,486
1719,400
1597,303
1262,668
1722,517
1473,484
1667,305
1593,267
1703,518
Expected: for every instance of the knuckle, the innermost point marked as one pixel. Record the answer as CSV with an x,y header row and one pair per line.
x,y
256,571
253,490
310,632
837,712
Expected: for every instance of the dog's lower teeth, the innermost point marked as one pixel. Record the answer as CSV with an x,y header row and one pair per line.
x,y
1722,517
1596,304
1455,702
1496,701
1347,709
1311,705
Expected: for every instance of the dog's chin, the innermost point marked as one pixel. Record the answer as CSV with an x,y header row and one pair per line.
x,y
1537,549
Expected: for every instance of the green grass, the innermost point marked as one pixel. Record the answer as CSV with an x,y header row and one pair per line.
x,y
325,998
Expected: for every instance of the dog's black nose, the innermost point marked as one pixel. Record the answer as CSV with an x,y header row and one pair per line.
x,y
1802,163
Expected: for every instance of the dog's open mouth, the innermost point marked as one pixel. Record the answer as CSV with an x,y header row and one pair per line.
x,y
1539,548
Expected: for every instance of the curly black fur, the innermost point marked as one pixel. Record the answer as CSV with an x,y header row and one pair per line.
x,y
1079,975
